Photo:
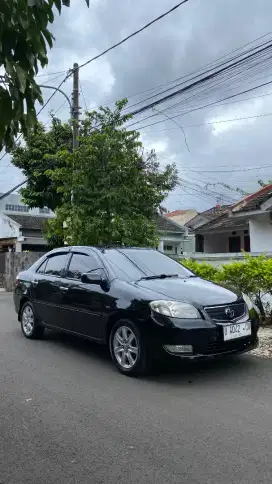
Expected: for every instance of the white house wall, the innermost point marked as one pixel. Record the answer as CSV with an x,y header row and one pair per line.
x,y
260,229
8,228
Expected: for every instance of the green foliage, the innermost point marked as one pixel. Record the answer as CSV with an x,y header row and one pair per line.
x,y
54,233
202,269
252,277
116,188
39,155
24,41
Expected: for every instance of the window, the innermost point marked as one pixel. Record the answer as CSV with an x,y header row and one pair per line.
x,y
16,208
137,263
41,269
169,247
81,263
44,210
55,265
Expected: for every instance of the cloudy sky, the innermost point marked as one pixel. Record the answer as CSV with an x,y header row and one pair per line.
x,y
236,153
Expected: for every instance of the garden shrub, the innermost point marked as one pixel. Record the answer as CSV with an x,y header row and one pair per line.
x,y
252,276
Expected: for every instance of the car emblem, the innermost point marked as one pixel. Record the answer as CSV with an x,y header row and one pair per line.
x,y
229,313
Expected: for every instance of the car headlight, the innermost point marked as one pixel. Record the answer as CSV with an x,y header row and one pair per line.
x,y
175,309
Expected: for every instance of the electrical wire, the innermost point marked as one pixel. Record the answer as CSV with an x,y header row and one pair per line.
x,y
134,33
229,64
81,90
214,122
4,195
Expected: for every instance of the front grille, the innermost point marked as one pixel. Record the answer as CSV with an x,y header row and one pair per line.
x,y
226,313
217,347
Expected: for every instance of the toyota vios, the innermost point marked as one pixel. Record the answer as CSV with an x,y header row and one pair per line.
x,y
139,302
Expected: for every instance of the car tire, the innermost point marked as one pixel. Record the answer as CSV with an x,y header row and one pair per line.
x,y
30,327
129,349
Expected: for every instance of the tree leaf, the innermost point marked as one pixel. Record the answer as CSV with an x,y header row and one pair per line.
x,y
6,105
21,75
58,5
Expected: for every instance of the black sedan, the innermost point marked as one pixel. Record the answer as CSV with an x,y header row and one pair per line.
x,y
139,302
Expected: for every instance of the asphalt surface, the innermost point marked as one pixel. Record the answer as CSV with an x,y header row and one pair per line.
x,y
68,417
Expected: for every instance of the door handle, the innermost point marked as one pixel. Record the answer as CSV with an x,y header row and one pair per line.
x,y
35,283
64,289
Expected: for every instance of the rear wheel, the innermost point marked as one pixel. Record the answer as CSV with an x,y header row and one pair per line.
x,y
128,348
30,328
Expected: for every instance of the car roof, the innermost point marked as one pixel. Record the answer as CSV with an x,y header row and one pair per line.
x,y
100,248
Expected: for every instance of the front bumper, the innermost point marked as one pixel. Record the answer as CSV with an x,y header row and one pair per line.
x,y
216,349
206,338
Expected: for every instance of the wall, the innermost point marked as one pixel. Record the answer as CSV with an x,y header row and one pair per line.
x,y
218,260
16,262
15,199
218,243
8,228
260,230
184,218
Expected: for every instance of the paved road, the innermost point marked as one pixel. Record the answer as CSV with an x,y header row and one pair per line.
x,y
67,417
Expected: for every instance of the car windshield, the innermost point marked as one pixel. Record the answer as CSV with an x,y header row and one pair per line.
x,y
135,264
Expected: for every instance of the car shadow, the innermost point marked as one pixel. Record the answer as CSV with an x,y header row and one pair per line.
x,y
216,370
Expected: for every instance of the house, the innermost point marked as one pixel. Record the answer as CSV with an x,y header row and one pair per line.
x,y
21,228
202,219
175,239
245,225
22,232
182,216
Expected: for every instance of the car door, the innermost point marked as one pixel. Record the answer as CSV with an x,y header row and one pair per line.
x,y
47,290
85,303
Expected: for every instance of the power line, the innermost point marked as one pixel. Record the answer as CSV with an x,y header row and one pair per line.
x,y
212,75
13,189
214,122
42,108
51,74
182,77
197,108
135,33
81,90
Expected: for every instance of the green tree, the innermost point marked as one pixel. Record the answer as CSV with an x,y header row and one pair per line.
x,y
25,39
110,188
36,157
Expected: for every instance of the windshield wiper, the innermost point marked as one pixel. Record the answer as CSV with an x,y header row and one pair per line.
x,y
158,276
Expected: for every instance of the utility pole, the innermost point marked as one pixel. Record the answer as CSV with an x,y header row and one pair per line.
x,y
75,105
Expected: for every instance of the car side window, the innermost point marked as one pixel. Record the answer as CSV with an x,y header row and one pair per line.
x,y
42,267
80,264
56,265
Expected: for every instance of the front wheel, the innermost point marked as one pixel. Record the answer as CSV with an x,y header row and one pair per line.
x,y
30,328
128,349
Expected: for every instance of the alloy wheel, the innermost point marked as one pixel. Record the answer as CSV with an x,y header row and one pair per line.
x,y
28,320
125,347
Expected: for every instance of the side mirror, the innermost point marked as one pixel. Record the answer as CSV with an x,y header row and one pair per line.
x,y
92,278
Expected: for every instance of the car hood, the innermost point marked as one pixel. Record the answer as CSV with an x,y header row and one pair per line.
x,y
193,290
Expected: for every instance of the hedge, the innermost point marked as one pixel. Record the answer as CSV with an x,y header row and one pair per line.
x,y
252,277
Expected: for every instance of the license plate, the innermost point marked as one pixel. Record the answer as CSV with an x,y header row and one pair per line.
x,y
237,330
